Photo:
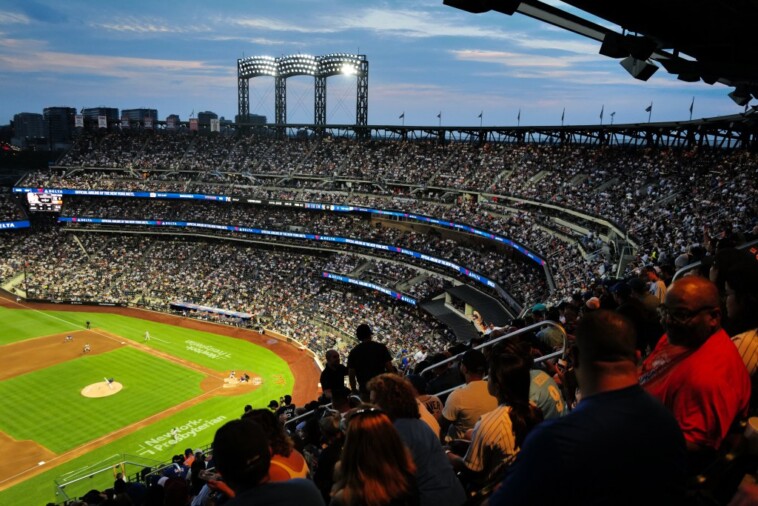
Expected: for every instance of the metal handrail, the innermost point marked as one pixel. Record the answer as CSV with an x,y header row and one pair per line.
x,y
546,323
678,274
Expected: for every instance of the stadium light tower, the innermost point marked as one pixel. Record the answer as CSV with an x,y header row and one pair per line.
x,y
320,67
255,66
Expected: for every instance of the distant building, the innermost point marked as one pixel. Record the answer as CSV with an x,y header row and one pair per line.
x,y
139,115
59,124
204,118
28,128
91,113
251,119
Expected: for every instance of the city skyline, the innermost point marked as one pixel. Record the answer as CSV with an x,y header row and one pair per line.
x,y
429,64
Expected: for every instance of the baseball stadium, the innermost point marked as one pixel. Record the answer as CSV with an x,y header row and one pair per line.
x,y
495,299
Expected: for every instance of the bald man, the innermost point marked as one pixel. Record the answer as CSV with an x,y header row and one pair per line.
x,y
695,370
618,446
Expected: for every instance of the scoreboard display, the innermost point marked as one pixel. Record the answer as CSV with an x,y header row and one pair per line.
x,y
45,202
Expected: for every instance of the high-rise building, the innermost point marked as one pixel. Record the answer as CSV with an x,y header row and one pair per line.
x,y
28,127
59,125
204,118
91,113
139,115
250,119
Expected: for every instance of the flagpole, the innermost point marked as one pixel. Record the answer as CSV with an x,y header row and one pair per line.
x,y
563,115
601,114
439,117
649,112
612,116
480,119
518,118
692,106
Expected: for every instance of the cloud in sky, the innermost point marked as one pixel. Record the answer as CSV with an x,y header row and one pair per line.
x,y
145,25
424,57
111,66
512,59
7,18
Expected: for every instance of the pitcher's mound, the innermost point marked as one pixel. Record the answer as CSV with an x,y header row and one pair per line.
x,y
102,389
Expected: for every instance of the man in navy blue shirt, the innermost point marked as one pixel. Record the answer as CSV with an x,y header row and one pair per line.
x,y
619,446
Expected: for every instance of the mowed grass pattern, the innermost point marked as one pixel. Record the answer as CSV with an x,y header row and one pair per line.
x,y
220,352
18,325
38,490
46,406
48,402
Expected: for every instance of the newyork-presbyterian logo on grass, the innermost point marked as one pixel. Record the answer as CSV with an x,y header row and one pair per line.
x,y
177,434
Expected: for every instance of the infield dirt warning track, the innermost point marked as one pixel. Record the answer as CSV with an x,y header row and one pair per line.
x,y
16,359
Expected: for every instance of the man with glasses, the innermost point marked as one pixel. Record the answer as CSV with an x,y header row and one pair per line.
x,y
695,370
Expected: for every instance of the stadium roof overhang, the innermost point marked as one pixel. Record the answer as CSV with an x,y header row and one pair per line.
x,y
696,40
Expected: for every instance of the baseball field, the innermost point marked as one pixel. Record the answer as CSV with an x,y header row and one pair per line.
x,y
70,418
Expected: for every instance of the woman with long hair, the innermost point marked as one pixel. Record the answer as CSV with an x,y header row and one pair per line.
x,y
437,483
376,469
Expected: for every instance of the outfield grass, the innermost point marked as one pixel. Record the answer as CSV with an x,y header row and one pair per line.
x,y
18,325
46,405
151,385
213,351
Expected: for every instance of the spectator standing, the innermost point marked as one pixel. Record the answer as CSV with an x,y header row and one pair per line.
x,y
334,373
286,410
366,360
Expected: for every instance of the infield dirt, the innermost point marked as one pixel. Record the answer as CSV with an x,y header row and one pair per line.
x,y
50,350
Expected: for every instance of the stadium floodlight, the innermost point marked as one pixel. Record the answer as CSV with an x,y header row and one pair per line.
x,y
300,64
740,96
257,66
638,69
340,63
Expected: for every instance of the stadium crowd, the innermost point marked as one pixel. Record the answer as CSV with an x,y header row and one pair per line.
x,y
660,198
138,269
508,271
658,370
9,210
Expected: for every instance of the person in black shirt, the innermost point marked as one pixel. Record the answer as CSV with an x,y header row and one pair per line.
x,y
368,359
286,409
333,374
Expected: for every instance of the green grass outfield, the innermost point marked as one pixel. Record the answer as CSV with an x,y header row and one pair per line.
x,y
45,405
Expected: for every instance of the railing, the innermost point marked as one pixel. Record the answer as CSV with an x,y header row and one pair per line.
x,y
689,267
546,323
